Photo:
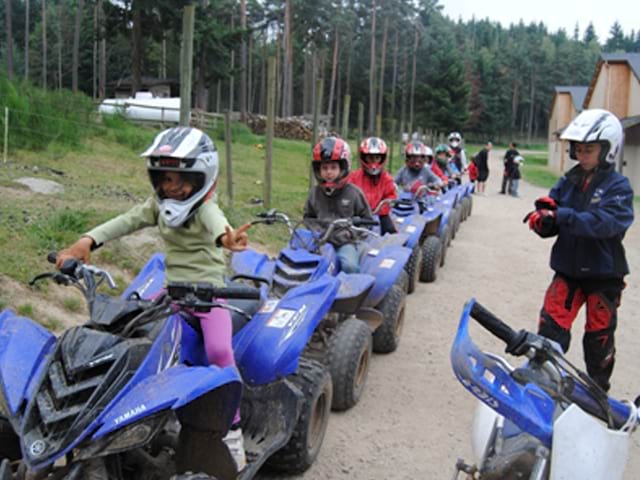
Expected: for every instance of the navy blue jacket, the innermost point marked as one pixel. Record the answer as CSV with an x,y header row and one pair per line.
x,y
592,224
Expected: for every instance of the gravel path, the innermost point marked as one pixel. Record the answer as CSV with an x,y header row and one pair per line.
x,y
414,419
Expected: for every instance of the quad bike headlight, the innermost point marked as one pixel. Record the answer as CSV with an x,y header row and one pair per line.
x,y
133,436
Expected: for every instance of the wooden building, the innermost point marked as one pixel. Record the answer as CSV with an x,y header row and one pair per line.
x,y
615,86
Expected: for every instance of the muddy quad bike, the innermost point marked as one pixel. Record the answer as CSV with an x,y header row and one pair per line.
x,y
371,301
129,394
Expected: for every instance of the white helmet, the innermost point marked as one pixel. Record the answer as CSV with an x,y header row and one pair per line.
x,y
454,139
595,126
190,152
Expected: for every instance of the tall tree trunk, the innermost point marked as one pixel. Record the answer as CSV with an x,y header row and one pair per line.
x,y
531,106
163,58
514,105
136,80
338,98
413,78
262,107
306,86
250,81
243,61
44,44
102,56
287,63
94,57
76,46
394,78
372,71
26,39
232,80
383,57
334,68
61,11
403,96
9,37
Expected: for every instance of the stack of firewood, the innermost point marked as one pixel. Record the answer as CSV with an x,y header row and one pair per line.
x,y
295,128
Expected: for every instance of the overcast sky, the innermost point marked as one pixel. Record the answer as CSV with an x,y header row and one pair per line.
x,y
555,14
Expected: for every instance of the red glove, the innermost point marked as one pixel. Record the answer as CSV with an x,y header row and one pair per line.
x,y
545,203
543,222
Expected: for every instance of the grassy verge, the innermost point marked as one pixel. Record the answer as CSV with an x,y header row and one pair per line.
x,y
536,172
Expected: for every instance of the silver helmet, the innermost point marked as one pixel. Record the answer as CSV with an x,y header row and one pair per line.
x,y
191,153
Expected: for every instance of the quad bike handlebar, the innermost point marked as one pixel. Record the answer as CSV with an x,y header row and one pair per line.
x,y
183,296
552,372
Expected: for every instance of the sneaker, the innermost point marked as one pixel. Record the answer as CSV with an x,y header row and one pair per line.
x,y
235,443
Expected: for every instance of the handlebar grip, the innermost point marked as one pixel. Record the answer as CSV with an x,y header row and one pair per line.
x,y
239,293
52,257
492,323
364,222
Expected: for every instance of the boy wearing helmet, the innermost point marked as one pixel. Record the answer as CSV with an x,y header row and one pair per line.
x,y
333,198
376,183
416,171
443,157
183,167
458,155
589,210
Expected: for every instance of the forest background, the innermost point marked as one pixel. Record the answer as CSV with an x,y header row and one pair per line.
x,y
404,61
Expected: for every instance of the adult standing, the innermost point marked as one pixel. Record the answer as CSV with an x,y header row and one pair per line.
x,y
590,210
507,174
482,164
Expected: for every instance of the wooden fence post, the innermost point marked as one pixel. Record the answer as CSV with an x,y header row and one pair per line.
x,y
6,134
345,117
393,142
317,105
227,149
271,114
186,63
360,121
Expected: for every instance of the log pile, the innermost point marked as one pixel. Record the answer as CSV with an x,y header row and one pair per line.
x,y
295,128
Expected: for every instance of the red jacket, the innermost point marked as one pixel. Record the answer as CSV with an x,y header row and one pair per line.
x,y
473,171
375,189
438,172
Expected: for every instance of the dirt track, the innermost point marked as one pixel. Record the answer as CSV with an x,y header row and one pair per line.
x,y
414,419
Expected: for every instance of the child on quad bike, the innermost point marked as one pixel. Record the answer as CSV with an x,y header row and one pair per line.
x,y
182,164
334,197
416,173
589,210
458,155
443,156
376,183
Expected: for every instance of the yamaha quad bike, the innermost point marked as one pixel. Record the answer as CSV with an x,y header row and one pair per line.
x,y
543,420
424,259
130,394
425,207
370,301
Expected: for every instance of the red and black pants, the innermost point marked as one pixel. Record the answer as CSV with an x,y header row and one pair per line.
x,y
562,302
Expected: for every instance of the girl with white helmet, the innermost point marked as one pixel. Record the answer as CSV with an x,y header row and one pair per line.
x,y
589,210
182,164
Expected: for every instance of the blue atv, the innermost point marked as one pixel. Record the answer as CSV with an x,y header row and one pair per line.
x,y
130,394
370,301
422,215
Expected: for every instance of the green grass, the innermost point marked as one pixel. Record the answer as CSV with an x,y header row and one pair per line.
x,y
536,172
72,304
26,310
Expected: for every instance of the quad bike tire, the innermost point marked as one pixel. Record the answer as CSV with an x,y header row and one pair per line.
x,y
9,441
455,221
464,209
470,207
314,381
431,252
387,336
350,349
413,268
445,238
